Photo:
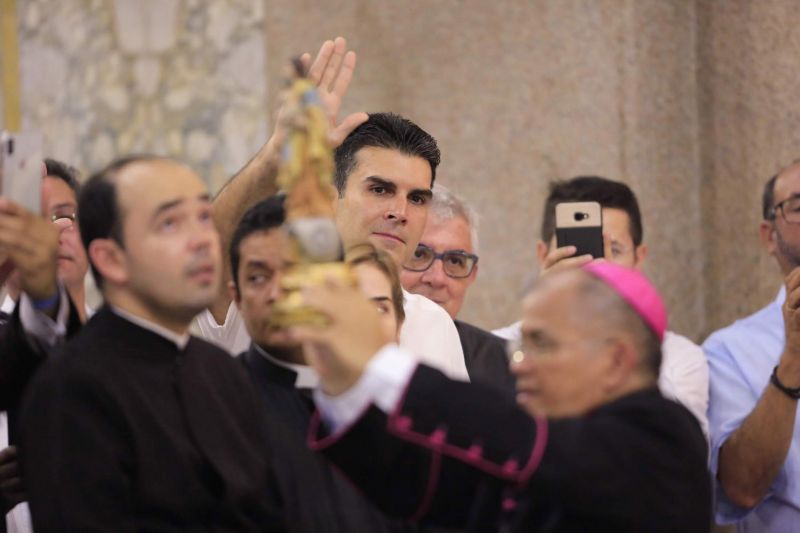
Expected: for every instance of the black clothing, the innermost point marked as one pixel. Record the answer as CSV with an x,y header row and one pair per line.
x,y
461,454
123,431
314,496
18,359
485,356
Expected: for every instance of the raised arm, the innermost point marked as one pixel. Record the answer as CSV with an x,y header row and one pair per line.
x,y
332,70
753,455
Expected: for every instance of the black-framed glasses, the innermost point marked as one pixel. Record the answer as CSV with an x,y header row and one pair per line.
x,y
456,263
789,208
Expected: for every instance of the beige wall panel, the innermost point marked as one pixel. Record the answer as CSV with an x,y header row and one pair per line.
x,y
519,93
750,116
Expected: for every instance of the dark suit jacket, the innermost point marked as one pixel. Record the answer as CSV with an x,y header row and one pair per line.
x,y
314,496
143,435
485,357
464,455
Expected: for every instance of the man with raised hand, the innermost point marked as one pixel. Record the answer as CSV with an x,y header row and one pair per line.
x,y
755,385
385,170
684,371
591,446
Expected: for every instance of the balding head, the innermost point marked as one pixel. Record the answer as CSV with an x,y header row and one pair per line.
x,y
583,344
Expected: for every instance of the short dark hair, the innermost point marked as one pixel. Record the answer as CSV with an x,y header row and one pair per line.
x,y
768,199
385,130
99,216
64,172
265,215
606,192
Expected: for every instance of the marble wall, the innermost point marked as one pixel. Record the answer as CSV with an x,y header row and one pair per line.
x,y
690,102
179,77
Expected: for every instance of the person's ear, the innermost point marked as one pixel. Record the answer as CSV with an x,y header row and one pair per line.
x,y
622,360
767,232
541,251
110,260
234,295
640,254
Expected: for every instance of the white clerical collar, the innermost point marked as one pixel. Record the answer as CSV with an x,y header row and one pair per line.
x,y
179,340
307,377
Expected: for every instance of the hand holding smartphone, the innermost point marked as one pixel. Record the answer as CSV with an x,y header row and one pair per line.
x,y
21,169
580,224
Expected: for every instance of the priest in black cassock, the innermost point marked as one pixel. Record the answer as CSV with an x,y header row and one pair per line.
x,y
314,496
134,425
592,446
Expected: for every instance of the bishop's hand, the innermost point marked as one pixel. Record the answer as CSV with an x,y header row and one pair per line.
x,y
341,350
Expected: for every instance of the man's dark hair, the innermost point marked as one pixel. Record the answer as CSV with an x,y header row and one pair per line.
x,y
265,215
768,199
64,172
606,192
99,215
385,130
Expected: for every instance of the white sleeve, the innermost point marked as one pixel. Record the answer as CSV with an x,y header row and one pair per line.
x,y
684,375
429,333
512,332
42,331
231,336
383,382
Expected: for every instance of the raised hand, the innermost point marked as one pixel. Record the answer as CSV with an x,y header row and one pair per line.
x,y
563,258
31,244
341,350
11,490
332,72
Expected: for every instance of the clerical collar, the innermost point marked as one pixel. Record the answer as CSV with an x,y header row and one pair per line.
x,y
178,340
307,377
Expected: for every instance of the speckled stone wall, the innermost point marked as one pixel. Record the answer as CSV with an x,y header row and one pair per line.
x,y
690,102
178,77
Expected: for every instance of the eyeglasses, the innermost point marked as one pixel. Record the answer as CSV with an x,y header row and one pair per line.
x,y
790,209
456,264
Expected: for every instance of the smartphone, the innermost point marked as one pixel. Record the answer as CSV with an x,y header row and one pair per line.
x,y
580,224
21,169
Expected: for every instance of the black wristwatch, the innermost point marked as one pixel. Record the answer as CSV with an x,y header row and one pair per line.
x,y
793,393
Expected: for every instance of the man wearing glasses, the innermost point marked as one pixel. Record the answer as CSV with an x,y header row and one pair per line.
x,y
442,268
59,204
755,385
684,371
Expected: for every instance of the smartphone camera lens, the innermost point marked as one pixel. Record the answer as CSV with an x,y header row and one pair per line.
x,y
581,216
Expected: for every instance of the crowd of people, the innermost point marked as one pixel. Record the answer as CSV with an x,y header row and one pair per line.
x,y
179,404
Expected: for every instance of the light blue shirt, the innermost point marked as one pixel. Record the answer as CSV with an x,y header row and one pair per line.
x,y
740,359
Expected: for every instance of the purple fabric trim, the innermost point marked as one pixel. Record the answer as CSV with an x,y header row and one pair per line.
x,y
430,490
437,441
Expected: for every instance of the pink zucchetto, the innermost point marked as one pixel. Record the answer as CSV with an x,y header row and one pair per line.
x,y
635,289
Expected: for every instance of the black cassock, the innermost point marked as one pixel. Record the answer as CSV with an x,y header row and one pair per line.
x,y
464,455
123,431
314,496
